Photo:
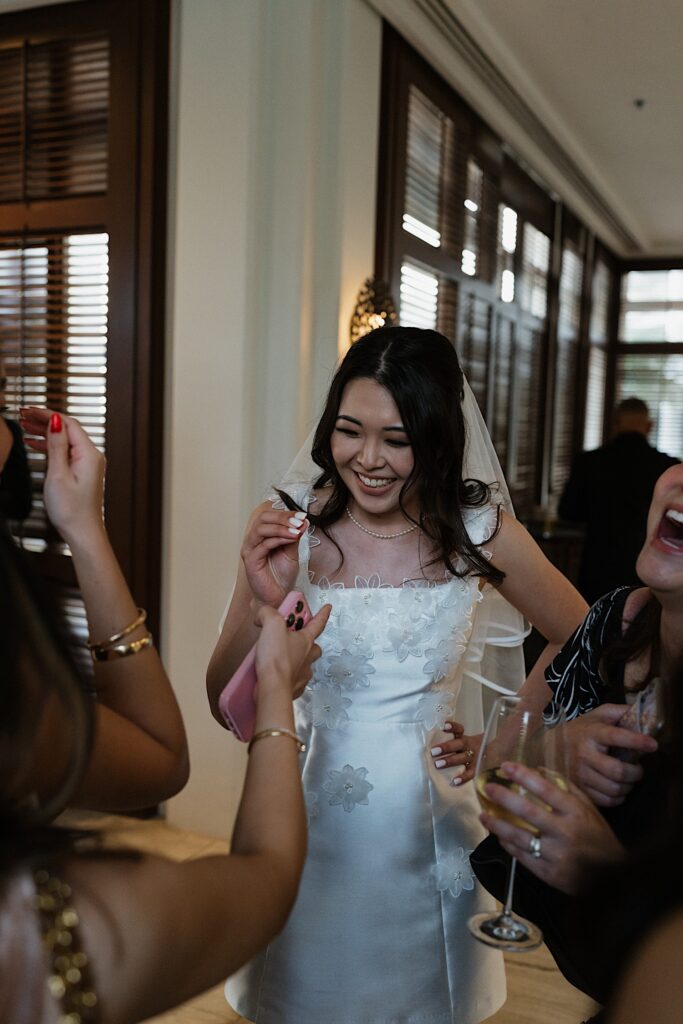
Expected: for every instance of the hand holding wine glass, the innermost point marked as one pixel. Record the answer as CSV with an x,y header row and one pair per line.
x,y
516,733
575,835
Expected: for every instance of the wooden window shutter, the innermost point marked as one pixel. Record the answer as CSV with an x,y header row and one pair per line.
x,y
598,335
55,98
523,460
419,296
502,387
82,186
54,300
11,123
474,344
533,289
566,365
426,151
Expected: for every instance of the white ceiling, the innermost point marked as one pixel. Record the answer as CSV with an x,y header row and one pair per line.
x,y
580,64
575,67
556,79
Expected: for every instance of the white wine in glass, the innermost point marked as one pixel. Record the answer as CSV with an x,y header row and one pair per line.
x,y
515,732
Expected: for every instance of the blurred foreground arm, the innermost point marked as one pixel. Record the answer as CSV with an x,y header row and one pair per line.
x,y
139,755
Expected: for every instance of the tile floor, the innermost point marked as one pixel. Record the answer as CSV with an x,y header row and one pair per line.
x,y
537,993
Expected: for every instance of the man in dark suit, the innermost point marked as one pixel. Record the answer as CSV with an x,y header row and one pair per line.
x,y
610,490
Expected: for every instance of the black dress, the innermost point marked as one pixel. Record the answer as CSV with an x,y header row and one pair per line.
x,y
15,479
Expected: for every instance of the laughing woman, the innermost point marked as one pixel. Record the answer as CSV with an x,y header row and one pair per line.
x,y
629,638
397,515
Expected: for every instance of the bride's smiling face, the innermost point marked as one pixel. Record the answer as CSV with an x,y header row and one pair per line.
x,y
660,563
370,447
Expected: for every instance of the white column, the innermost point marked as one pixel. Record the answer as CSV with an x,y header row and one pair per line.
x,y
272,221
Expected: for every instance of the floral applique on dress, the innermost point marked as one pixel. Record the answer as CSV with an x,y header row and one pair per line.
x,y
348,787
453,874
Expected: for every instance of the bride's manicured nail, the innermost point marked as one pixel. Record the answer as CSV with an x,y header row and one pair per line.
x,y
440,764
294,522
55,423
456,781
448,727
295,533
437,750
300,515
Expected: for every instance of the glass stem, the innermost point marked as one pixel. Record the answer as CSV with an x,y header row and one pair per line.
x,y
510,886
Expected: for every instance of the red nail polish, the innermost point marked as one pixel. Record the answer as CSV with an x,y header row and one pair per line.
x,y
55,423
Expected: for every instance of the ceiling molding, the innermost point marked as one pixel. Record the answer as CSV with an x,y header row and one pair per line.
x,y
570,182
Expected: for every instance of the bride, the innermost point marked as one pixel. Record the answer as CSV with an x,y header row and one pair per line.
x,y
400,518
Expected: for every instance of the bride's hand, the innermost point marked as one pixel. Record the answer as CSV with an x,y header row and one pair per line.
x,y
460,752
269,552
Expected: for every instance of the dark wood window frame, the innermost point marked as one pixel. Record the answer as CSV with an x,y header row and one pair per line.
x,y
516,187
132,212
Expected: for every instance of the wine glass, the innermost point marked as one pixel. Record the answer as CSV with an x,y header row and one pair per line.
x,y
516,732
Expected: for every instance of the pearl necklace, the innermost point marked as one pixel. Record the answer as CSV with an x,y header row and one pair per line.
x,y
380,536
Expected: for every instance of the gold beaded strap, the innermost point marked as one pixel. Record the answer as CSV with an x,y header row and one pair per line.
x,y
69,978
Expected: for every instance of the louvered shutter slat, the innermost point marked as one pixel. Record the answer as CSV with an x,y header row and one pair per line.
x,y
53,338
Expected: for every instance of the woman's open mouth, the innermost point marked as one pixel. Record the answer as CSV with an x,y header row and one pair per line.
x,y
670,530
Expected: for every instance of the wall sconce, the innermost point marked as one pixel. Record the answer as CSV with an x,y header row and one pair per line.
x,y
374,308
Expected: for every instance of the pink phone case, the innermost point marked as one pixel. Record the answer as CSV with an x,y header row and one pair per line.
x,y
236,703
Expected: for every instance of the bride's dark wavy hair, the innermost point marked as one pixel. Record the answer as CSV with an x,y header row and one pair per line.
x,y
420,369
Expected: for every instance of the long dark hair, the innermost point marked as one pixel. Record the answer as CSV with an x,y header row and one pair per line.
x,y
420,369
642,634
35,664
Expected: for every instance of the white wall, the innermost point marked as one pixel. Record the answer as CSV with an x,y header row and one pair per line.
x,y
272,220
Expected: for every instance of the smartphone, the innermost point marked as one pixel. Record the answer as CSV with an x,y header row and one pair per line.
x,y
645,714
236,703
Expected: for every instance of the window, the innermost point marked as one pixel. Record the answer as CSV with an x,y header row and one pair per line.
x,y
566,365
650,353
419,296
54,306
466,237
533,290
507,246
598,333
427,129
82,187
657,380
652,306
473,212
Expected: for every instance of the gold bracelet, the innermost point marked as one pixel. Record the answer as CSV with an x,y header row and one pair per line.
x,y
123,650
265,733
102,645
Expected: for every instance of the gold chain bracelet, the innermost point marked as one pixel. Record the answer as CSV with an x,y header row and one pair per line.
x,y
123,650
265,733
102,645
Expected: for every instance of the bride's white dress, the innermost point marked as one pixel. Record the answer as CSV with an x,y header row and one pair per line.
x,y
378,934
